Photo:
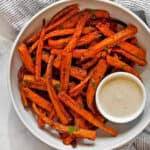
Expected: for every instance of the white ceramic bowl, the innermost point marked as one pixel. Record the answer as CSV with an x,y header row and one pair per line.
x,y
129,117
126,132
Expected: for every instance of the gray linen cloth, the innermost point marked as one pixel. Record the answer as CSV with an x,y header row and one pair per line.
x,y
18,12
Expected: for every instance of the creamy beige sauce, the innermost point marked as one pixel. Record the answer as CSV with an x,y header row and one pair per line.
x,y
120,97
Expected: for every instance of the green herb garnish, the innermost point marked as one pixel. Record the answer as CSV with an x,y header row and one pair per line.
x,y
60,27
92,11
33,58
71,129
105,49
27,82
58,58
57,87
93,16
93,83
89,48
91,28
100,35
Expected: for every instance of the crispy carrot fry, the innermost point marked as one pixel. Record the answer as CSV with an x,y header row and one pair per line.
x,y
78,72
90,63
80,25
45,56
97,74
26,58
68,101
33,38
40,122
62,20
121,65
52,114
96,13
39,54
81,133
138,52
23,98
68,140
40,101
63,12
61,43
70,23
134,50
65,70
131,57
63,116
88,38
111,41
77,89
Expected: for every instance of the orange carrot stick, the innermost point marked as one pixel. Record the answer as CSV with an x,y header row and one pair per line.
x,y
90,63
63,116
130,48
61,43
68,101
65,70
63,12
62,20
40,101
33,38
97,74
121,65
40,122
130,57
77,89
26,58
111,41
39,55
81,133
70,23
52,114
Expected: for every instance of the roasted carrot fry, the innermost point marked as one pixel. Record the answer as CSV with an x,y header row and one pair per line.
x,y
33,38
97,74
65,70
45,56
40,101
63,116
90,63
134,50
121,65
68,101
80,25
81,133
95,13
62,20
40,122
77,89
87,39
61,43
70,23
112,40
26,58
138,52
130,57
39,54
63,12
52,114
68,140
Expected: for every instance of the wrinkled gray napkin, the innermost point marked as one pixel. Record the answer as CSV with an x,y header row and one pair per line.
x,y
18,12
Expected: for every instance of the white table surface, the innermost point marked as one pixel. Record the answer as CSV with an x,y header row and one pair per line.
x,y
13,134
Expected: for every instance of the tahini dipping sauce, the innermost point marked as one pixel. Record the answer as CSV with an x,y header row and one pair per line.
x,y
120,97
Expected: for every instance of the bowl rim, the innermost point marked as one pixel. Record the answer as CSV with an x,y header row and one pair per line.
x,y
126,119
126,10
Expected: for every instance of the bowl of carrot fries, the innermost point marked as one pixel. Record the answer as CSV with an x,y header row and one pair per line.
x,y
57,62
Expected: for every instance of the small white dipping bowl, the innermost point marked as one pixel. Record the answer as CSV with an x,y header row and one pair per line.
x,y
129,117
